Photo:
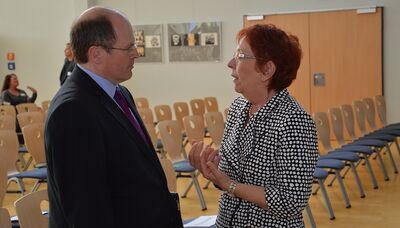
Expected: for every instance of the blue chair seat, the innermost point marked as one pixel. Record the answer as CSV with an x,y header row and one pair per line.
x,y
330,163
369,142
354,148
320,173
159,144
22,149
39,173
183,166
344,156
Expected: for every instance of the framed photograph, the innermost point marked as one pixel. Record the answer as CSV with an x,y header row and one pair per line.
x,y
149,43
153,41
209,39
176,40
194,41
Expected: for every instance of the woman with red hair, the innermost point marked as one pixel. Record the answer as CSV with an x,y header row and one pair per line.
x,y
269,149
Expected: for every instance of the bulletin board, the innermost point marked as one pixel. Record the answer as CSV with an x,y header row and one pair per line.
x,y
188,42
149,41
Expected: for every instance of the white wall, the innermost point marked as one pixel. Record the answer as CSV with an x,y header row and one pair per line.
x,y
37,30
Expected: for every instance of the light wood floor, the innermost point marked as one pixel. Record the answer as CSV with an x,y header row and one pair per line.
x,y
380,207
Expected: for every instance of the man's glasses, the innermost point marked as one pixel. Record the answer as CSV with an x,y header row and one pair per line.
x,y
129,49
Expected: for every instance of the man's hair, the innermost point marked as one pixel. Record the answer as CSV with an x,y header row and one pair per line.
x,y
97,31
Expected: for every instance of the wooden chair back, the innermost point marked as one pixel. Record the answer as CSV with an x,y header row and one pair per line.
x,y
3,182
8,110
169,173
9,146
323,129
7,122
26,118
141,102
215,125
181,110
381,109
359,109
29,211
370,112
211,104
163,112
349,122
45,105
34,142
171,137
27,107
337,124
5,221
198,107
194,127
147,115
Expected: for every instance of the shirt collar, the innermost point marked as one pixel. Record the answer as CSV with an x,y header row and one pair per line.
x,y
105,84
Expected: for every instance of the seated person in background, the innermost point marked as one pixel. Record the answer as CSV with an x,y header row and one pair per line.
x,y
12,95
69,63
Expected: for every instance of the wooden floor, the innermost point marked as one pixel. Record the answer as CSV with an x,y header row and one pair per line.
x,y
380,207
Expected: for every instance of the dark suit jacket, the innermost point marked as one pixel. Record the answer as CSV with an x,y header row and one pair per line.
x,y
100,171
67,68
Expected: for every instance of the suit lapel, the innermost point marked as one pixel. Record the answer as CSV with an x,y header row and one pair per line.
x,y
108,103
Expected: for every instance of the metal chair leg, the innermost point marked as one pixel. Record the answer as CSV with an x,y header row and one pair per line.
x,y
326,199
343,189
370,171
358,181
392,159
310,216
382,165
199,192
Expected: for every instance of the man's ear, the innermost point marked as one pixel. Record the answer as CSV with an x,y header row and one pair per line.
x,y
96,54
268,70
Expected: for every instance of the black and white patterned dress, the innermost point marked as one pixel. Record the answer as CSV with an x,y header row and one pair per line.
x,y
276,148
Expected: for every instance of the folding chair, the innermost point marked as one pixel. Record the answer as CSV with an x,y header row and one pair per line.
x,y
171,136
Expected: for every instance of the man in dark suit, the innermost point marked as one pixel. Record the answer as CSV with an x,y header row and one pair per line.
x,y
102,168
69,64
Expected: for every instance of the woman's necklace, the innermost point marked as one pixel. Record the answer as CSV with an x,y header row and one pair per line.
x,y
253,109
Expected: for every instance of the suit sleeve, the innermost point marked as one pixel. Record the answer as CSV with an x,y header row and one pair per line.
x,y
77,166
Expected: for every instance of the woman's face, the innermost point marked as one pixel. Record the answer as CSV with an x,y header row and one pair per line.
x,y
14,81
245,76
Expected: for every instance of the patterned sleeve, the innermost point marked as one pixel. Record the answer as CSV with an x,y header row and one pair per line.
x,y
296,157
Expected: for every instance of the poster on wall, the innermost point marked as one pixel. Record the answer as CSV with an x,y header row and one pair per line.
x,y
148,39
194,41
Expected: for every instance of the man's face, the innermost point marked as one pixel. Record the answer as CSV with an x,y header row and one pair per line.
x,y
118,65
68,51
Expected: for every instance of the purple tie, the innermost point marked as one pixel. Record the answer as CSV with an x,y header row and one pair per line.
x,y
124,106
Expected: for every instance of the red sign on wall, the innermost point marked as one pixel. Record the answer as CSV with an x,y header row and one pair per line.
x,y
10,56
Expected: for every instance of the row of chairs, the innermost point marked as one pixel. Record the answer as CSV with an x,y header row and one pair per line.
x,y
351,154
24,107
31,121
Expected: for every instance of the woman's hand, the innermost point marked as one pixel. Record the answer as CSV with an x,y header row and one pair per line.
x,y
206,160
32,89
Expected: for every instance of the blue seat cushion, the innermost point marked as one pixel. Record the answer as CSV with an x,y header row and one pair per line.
x,y
183,166
370,142
343,156
330,163
320,173
354,149
39,173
